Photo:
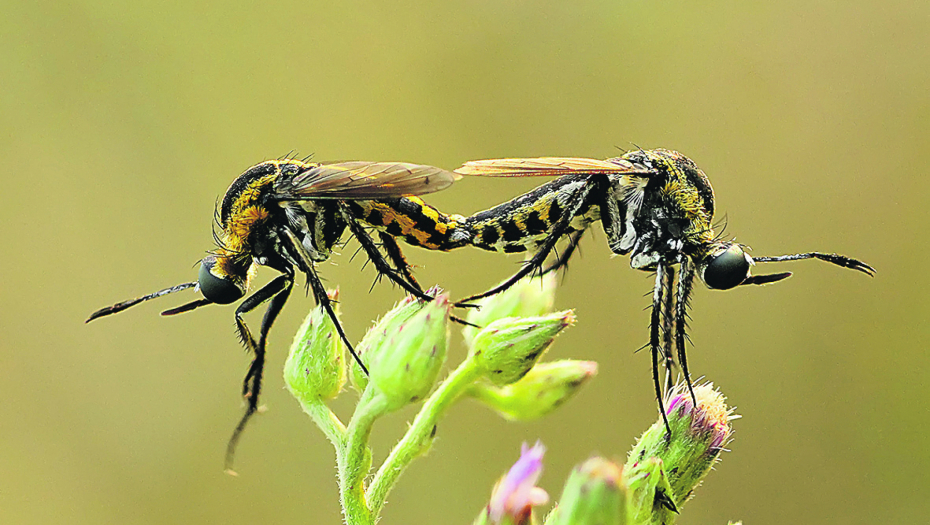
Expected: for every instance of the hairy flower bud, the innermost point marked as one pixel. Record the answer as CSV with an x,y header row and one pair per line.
x,y
404,365
543,389
508,348
529,297
683,459
379,333
315,366
594,495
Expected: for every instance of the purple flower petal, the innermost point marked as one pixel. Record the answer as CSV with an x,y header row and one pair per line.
x,y
516,493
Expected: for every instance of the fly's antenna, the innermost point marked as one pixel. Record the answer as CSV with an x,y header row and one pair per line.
x,y
832,258
119,307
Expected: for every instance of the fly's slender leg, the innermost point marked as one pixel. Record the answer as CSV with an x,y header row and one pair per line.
x,y
654,342
277,291
377,258
562,260
559,229
685,284
833,258
319,292
400,263
668,328
397,257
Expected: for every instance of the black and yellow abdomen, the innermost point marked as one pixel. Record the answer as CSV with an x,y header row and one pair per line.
x,y
414,221
523,223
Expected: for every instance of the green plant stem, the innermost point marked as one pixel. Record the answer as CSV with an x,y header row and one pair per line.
x,y
356,458
420,434
329,423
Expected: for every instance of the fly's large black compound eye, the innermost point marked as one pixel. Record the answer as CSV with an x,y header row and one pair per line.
x,y
727,269
220,290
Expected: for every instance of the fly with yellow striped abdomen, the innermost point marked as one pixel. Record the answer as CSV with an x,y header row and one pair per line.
x,y
656,206
288,215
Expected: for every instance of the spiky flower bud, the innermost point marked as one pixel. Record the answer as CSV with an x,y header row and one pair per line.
x,y
544,388
529,297
699,433
594,495
515,494
404,365
379,333
508,348
315,366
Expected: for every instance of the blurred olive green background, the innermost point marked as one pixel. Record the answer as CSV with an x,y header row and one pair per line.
x,y
122,123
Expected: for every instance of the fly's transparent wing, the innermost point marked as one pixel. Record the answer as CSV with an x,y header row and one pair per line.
x,y
548,167
359,180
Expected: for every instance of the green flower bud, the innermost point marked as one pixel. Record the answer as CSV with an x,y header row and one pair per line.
x,y
698,436
405,364
594,494
508,348
377,334
529,297
544,388
315,366
651,496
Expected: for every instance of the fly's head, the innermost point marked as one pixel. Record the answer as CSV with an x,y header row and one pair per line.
x,y
726,265
223,280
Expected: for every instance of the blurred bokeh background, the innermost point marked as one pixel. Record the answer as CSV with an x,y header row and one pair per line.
x,y
122,123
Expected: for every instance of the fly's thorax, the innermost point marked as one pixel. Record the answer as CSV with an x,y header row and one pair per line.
x,y
673,207
246,207
672,167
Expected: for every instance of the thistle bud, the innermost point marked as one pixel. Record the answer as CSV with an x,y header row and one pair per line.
x,y
594,494
698,435
544,388
529,297
404,365
315,366
515,494
377,334
508,348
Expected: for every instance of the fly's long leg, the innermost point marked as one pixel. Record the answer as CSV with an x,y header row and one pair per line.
x,y
559,229
668,328
394,253
319,293
682,302
377,258
561,261
654,343
833,258
400,263
277,291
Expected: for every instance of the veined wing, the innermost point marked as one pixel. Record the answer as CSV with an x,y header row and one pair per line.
x,y
547,167
359,180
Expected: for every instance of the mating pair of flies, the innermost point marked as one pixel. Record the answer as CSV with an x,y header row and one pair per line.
x,y
656,206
